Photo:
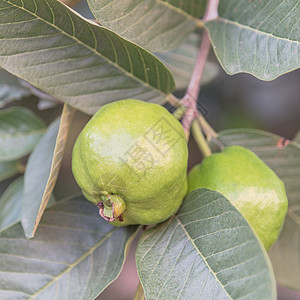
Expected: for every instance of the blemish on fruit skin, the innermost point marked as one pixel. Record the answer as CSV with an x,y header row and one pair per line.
x,y
282,143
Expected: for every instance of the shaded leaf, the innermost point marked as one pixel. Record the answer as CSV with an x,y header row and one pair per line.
x,y
64,126
38,93
20,131
36,177
285,161
207,251
8,169
74,60
259,37
181,63
157,25
70,3
74,255
83,9
45,104
10,88
297,138
11,204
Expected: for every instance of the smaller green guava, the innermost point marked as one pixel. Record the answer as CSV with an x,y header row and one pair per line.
x,y
249,184
131,161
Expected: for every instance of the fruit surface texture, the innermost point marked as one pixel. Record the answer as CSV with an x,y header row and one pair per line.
x,y
131,160
250,185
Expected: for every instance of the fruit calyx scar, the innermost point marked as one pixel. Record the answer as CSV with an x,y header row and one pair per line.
x,y
111,207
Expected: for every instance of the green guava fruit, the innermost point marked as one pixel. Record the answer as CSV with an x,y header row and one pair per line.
x,y
250,185
131,161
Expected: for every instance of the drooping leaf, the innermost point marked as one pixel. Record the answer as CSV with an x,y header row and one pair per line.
x,y
260,37
36,177
157,25
58,153
284,158
8,169
10,88
181,63
74,255
20,131
206,251
75,60
11,204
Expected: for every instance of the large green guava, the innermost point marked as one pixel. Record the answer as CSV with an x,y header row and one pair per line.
x,y
250,185
131,161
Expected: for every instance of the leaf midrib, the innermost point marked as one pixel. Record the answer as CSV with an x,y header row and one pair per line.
x,y
168,5
177,9
17,134
75,263
252,29
89,47
203,258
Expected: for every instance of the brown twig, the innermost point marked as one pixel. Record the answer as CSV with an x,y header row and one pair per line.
x,y
192,92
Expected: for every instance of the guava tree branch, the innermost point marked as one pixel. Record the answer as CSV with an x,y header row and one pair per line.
x,y
192,92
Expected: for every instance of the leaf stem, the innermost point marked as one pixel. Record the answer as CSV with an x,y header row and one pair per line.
x,y
207,129
200,139
192,92
179,112
173,100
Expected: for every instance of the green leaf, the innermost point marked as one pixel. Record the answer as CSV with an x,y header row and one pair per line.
x,y
8,169
74,255
20,131
10,88
75,60
260,37
285,161
206,251
11,204
181,63
157,25
36,177
56,160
